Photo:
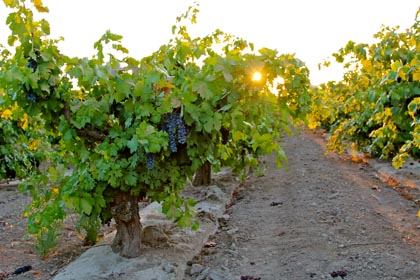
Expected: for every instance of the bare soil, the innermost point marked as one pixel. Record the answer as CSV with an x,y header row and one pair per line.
x,y
324,217
17,247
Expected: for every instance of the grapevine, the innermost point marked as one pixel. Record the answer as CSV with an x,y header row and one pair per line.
x,y
373,108
126,129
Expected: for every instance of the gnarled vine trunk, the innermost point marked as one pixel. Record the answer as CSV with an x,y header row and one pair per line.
x,y
202,176
127,241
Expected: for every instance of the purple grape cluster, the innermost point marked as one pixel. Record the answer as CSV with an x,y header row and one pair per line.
x,y
32,64
341,273
248,277
182,131
176,129
22,269
31,96
150,161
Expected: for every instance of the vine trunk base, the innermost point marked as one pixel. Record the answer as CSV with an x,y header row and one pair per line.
x,y
127,242
202,176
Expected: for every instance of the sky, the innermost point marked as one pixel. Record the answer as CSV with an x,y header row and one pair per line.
x,y
312,30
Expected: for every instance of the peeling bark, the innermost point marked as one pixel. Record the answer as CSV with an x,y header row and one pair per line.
x,y
127,241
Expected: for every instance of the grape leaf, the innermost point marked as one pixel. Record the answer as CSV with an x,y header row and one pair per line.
x,y
86,206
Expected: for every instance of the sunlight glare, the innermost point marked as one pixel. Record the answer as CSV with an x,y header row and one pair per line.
x,y
257,76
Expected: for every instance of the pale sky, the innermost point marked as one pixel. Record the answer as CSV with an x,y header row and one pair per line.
x,y
311,29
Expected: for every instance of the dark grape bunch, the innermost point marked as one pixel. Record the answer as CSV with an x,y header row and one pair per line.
x,y
176,129
341,273
22,269
150,161
248,277
31,96
181,131
32,64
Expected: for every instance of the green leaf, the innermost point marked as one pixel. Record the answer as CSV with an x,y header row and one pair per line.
x,y
145,109
122,90
208,125
45,27
68,135
130,178
128,122
120,48
228,76
11,40
86,206
202,88
112,36
133,144
226,107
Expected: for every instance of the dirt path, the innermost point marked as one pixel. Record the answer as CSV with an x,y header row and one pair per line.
x,y
324,218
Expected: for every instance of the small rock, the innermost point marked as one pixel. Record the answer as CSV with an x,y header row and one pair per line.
x,y
215,276
154,235
210,244
232,231
204,274
216,194
333,196
226,217
169,268
196,269
311,274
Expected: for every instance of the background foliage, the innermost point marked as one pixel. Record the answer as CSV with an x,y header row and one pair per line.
x,y
374,107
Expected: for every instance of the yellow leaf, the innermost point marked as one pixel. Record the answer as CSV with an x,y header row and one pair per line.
x,y
237,135
416,75
39,6
412,42
396,66
23,123
418,214
7,114
34,145
10,3
388,112
367,64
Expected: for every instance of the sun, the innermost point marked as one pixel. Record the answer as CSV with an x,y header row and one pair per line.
x,y
257,76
